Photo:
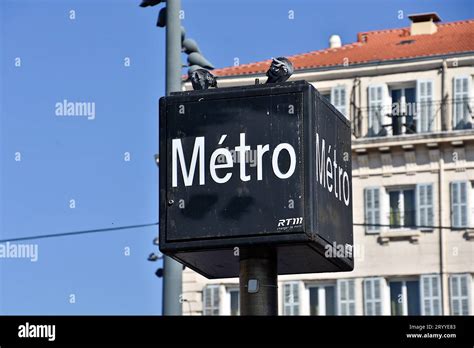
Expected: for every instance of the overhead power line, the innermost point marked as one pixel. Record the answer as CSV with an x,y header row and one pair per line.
x,y
65,234
99,230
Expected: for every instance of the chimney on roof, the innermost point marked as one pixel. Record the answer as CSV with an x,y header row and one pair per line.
x,y
334,41
424,23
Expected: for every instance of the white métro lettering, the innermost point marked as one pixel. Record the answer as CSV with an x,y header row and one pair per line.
x,y
329,174
197,160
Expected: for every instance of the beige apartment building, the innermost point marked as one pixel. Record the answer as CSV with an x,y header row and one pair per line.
x,y
409,95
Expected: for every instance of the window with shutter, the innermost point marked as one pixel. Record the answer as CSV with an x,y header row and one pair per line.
x,y
425,114
322,299
460,289
403,110
430,294
373,296
404,297
424,202
338,98
211,300
372,209
401,204
459,204
291,298
346,296
376,103
461,91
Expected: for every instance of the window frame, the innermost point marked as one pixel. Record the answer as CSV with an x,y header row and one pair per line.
x,y
456,95
370,282
205,309
426,206
466,204
373,227
340,91
231,290
401,199
419,107
293,305
404,107
430,297
348,302
404,289
373,104
321,289
460,297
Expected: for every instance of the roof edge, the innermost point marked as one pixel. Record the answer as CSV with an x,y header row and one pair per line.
x,y
357,65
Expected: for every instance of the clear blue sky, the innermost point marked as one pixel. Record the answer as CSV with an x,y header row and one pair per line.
x,y
64,158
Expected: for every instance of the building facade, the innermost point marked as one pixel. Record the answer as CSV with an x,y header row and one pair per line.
x,y
409,96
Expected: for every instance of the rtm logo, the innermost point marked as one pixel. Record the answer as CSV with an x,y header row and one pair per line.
x,y
290,222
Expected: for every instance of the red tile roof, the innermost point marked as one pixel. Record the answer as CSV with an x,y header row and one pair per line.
x,y
380,45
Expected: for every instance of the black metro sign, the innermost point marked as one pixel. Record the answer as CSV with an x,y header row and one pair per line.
x,y
255,165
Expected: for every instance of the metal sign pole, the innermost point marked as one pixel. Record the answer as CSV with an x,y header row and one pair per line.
x,y
258,281
172,270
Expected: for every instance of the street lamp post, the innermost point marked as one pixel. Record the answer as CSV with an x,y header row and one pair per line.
x,y
172,270
169,17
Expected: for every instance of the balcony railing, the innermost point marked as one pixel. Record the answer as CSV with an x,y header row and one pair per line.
x,y
421,117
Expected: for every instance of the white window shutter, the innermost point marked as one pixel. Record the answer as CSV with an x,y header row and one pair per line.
x,y
465,203
296,298
338,99
346,296
368,306
420,198
211,300
455,291
461,96
457,102
384,209
460,292
291,298
368,203
456,295
455,218
430,294
375,102
342,297
287,299
465,292
372,209
351,296
387,108
424,206
424,106
223,305
373,296
429,205
460,192
216,299
207,300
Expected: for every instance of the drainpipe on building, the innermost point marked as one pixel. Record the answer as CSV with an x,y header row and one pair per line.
x,y
442,256
358,109
353,108
444,99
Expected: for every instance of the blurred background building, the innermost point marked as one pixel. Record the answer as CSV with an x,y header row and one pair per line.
x,y
408,93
